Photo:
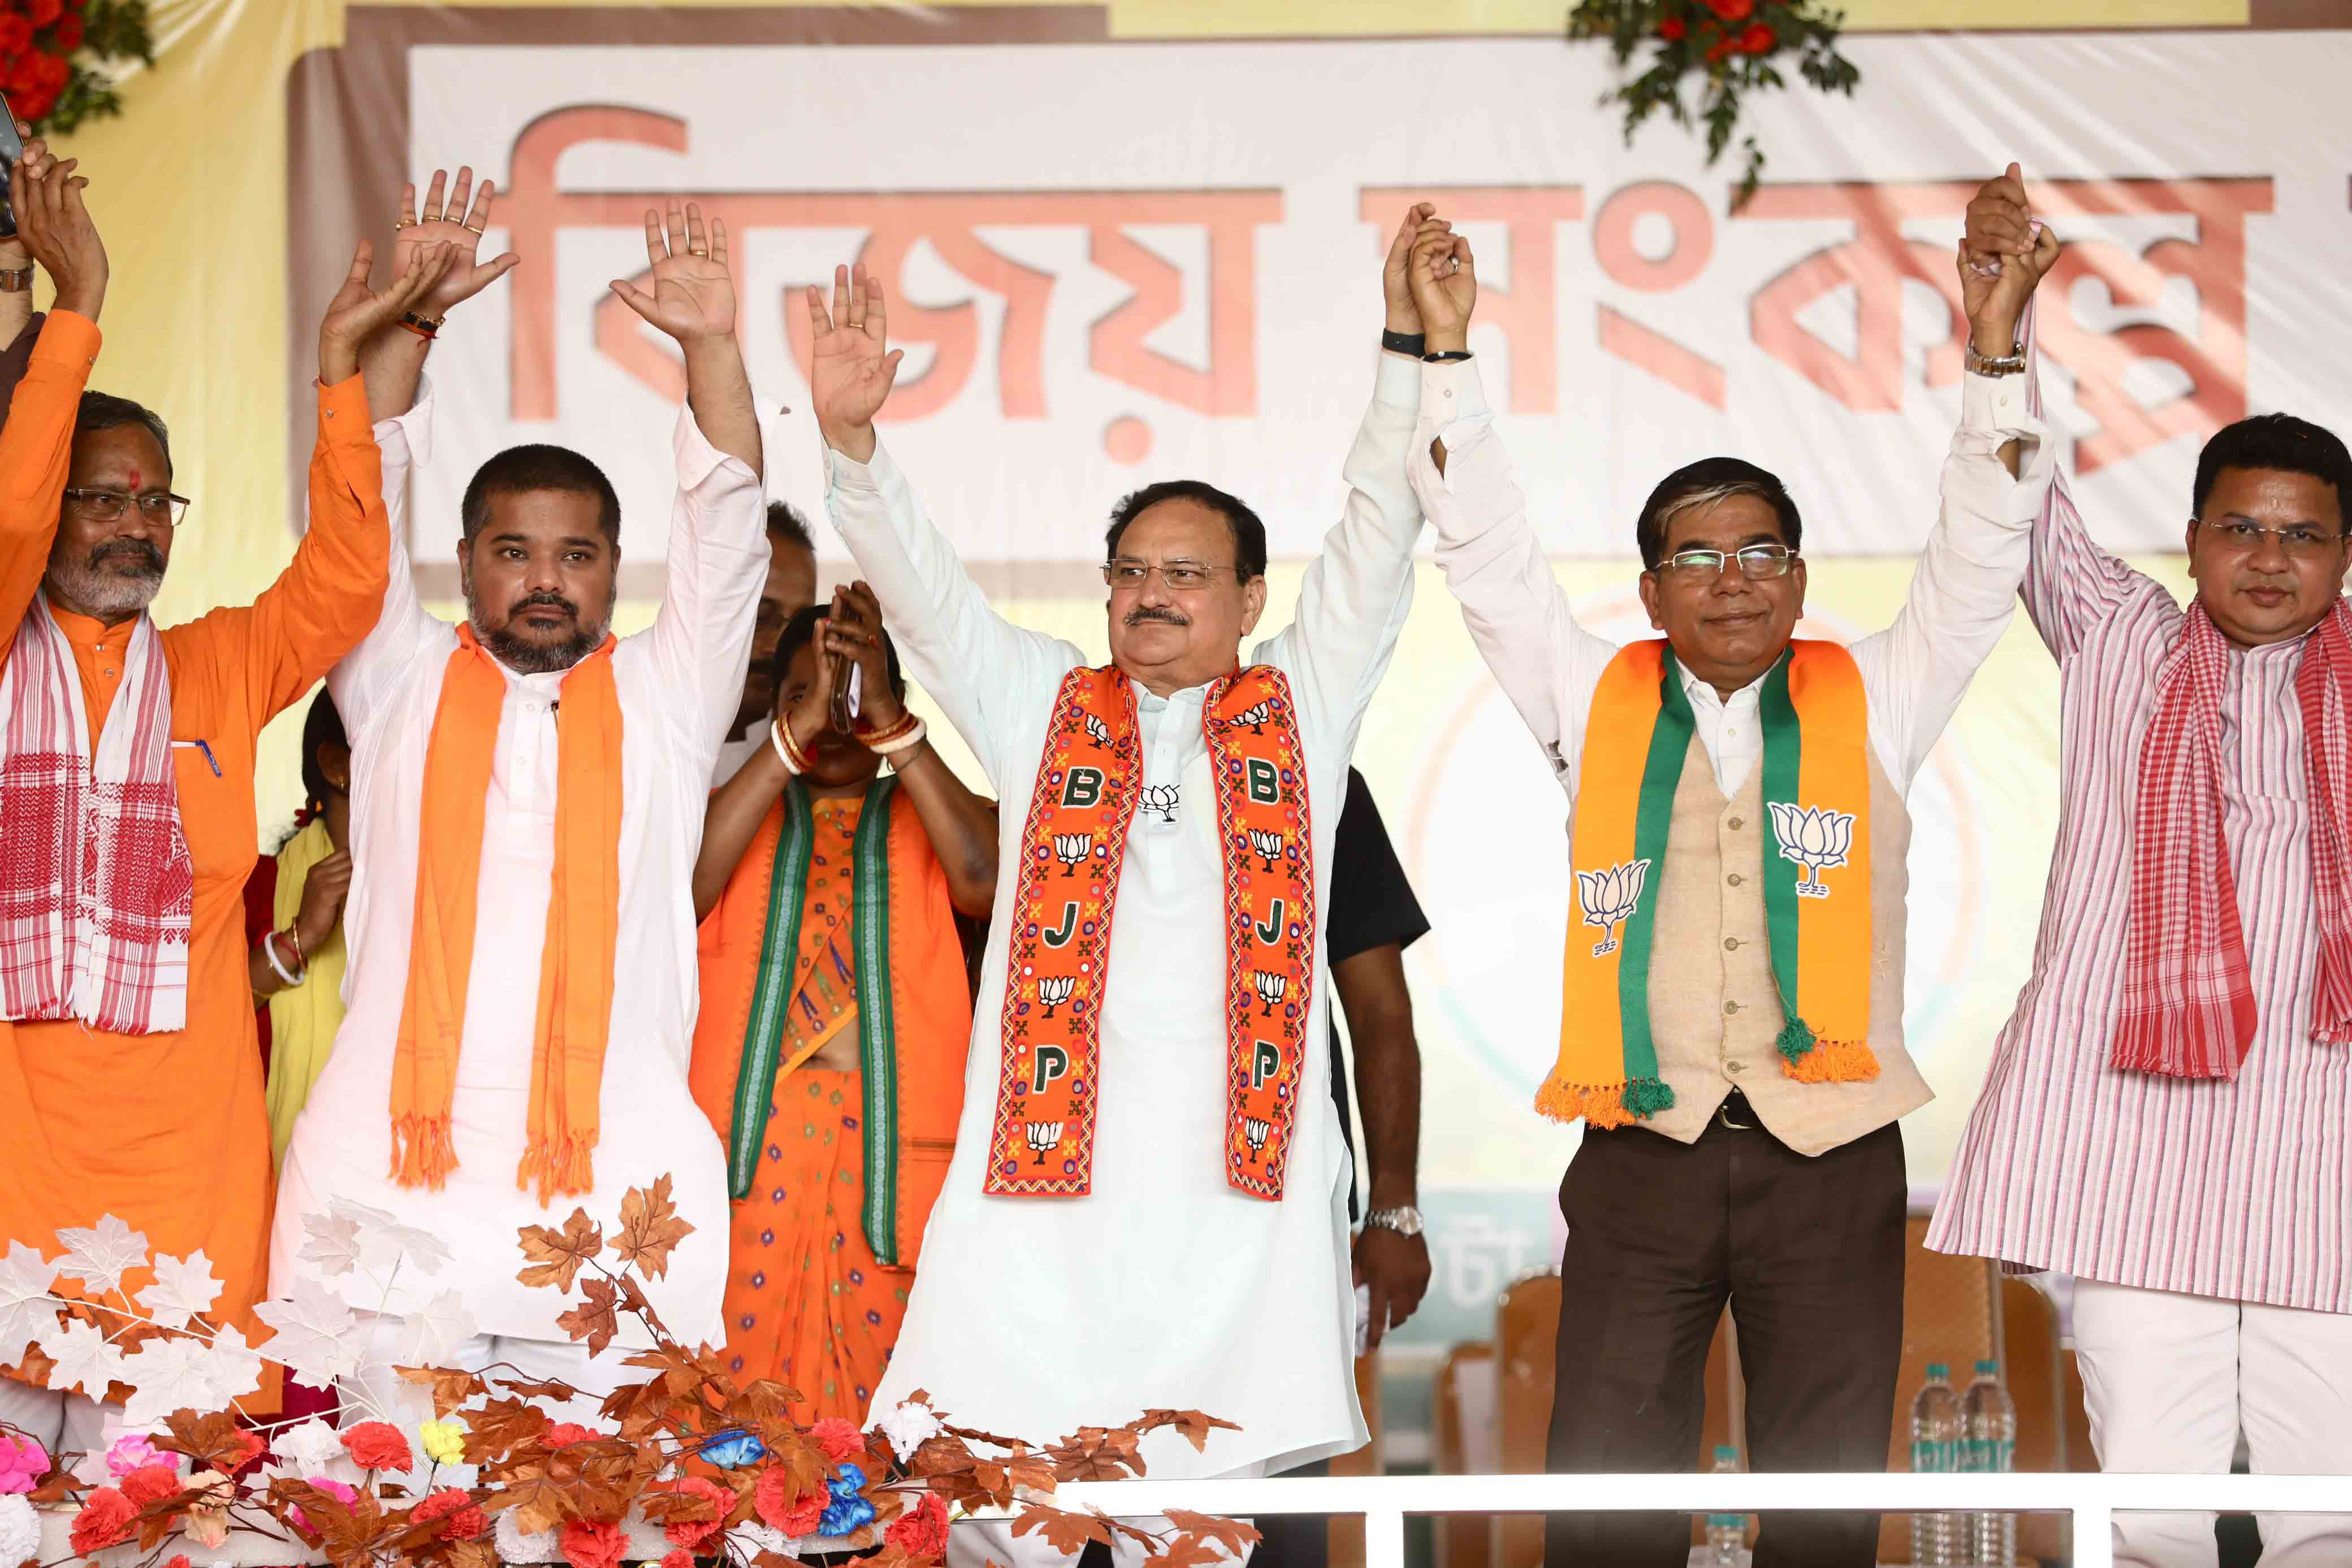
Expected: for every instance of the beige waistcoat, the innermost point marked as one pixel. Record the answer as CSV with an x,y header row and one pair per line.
x,y
1713,1009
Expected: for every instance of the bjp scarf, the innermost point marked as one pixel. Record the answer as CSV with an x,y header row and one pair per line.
x,y
1816,786
576,951
1089,782
96,888
2188,1008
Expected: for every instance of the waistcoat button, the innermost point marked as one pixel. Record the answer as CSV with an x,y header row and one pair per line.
x,y
1733,879
1731,944
1732,1006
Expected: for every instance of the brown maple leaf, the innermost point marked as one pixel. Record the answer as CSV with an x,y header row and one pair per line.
x,y
1064,1532
34,1369
650,1229
1232,1533
1195,1426
450,1389
596,1320
499,1428
558,1256
555,1391
211,1439
472,1554
1097,1454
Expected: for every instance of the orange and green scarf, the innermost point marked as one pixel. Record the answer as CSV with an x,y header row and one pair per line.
x,y
1816,785
1089,782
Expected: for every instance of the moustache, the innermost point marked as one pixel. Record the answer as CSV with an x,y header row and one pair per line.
x,y
149,559
547,601
1143,613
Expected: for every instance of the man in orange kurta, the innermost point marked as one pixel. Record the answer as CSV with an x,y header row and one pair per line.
x,y
167,1130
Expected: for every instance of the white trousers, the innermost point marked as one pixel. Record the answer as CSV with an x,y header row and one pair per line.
x,y
978,1542
379,1393
61,1422
2170,1380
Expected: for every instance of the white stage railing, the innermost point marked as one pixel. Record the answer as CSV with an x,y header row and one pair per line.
x,y
1382,1501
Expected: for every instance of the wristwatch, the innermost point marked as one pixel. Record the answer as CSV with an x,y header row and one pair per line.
x,y
15,279
1404,1219
1986,365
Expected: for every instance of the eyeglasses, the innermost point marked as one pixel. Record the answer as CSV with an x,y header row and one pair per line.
x,y
1180,576
160,507
2296,539
1758,563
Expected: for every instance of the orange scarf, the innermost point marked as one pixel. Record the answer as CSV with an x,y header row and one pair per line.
x,y
1090,780
576,954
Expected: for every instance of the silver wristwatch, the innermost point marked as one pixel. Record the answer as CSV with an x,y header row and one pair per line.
x,y
1404,1219
2009,364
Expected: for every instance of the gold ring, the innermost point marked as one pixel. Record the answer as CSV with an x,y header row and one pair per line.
x,y
469,228
697,250
399,224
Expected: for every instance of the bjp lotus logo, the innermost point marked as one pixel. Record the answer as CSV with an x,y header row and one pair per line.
x,y
1816,838
1609,897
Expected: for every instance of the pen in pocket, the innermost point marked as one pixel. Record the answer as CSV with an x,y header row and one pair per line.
x,y
210,760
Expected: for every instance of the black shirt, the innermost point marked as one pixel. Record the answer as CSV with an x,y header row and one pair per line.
x,y
1371,904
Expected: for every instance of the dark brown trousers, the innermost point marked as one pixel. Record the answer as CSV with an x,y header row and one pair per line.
x,y
1809,1252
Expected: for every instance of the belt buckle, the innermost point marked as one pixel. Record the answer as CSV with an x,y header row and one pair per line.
x,y
1723,1112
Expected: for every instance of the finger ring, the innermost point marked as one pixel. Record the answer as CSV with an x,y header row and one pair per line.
x,y
472,228
399,224
697,250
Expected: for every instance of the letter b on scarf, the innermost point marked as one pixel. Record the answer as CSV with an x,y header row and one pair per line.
x,y
1083,787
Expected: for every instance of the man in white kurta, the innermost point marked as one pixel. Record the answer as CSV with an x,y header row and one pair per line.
x,y
1163,1286
677,683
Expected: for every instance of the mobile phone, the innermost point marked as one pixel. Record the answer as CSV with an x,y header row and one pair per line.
x,y
12,147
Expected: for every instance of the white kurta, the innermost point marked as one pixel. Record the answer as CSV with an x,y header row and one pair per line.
x,y
679,682
1165,1286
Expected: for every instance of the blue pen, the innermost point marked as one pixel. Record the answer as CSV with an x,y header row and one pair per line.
x,y
210,760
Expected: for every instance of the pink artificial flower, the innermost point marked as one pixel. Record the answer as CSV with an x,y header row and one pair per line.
x,y
23,1463
131,1452
340,1491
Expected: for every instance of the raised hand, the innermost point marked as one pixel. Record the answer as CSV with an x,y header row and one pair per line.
x,y
693,294
56,230
1444,279
849,372
357,310
456,221
1396,288
810,715
2003,257
853,629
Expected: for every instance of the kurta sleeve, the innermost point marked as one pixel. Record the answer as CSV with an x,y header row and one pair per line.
x,y
35,451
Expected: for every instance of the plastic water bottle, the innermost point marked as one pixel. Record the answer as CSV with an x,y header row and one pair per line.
x,y
1935,1437
1991,1418
1727,1533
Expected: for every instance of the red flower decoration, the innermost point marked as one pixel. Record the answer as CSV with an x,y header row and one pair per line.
x,y
1733,10
922,1529
179,1561
592,1544
677,1557
378,1446
151,1483
457,1506
696,1533
103,1520
841,1440
1760,40
563,1434
249,1448
15,35
44,12
1672,30
68,36
1717,50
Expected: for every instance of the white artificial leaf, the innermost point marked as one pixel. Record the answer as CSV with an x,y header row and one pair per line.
x,y
384,1241
28,1314
83,1356
237,1364
318,1339
182,1290
169,1375
101,1255
435,1331
334,1243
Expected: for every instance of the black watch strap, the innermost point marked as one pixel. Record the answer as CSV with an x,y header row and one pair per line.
x,y
1445,357
1403,342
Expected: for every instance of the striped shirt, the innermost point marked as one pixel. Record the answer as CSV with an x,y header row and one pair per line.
x,y
2239,1189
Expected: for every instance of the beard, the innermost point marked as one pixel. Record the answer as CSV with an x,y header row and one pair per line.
x,y
528,655
105,590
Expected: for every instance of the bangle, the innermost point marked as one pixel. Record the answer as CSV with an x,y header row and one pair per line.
x,y
269,951
879,740
16,280
2012,363
1446,356
1403,342
423,325
910,735
780,736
